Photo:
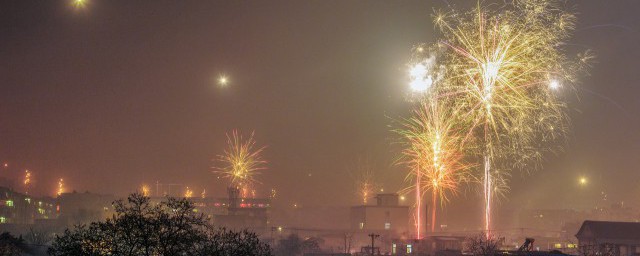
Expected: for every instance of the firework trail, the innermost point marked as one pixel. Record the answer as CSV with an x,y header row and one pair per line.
x,y
60,187
241,162
27,181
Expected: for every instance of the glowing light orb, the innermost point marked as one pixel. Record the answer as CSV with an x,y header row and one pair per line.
x,y
79,3
554,85
420,78
583,181
223,80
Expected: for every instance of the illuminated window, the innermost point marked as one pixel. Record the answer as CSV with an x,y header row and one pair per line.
x,y
387,225
28,200
557,245
572,246
3,220
361,225
409,248
9,203
40,210
393,249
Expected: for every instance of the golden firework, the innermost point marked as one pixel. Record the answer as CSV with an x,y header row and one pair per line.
x,y
502,69
188,193
60,187
433,151
241,161
365,182
145,190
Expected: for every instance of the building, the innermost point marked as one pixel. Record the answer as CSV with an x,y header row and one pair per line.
x,y
609,238
18,208
78,208
431,245
243,213
387,215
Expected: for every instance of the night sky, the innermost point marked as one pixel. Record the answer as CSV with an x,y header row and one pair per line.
x,y
122,93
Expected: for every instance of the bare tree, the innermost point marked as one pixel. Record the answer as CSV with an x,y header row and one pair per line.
x,y
483,245
39,236
605,249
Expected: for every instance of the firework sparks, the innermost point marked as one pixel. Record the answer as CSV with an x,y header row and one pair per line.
x,y
433,153
27,181
501,68
188,193
241,162
145,190
365,182
60,187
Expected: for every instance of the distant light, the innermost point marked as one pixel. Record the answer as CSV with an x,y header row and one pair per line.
x,y
6,165
382,190
402,198
583,181
79,3
554,84
420,49
223,80
280,229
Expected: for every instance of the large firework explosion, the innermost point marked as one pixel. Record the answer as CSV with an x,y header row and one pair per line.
x,y
241,162
499,68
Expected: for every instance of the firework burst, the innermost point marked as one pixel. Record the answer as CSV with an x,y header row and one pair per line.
x,y
188,193
241,162
501,70
27,181
432,151
61,188
145,190
365,181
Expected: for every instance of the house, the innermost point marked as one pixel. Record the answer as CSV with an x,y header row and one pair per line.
x,y
609,238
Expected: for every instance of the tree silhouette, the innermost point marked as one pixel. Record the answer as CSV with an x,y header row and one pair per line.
x,y
170,227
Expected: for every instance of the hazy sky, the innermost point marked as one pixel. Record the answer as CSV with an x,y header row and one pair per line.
x,y
123,92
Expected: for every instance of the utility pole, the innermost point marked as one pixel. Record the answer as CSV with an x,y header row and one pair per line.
x,y
373,239
273,229
347,238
